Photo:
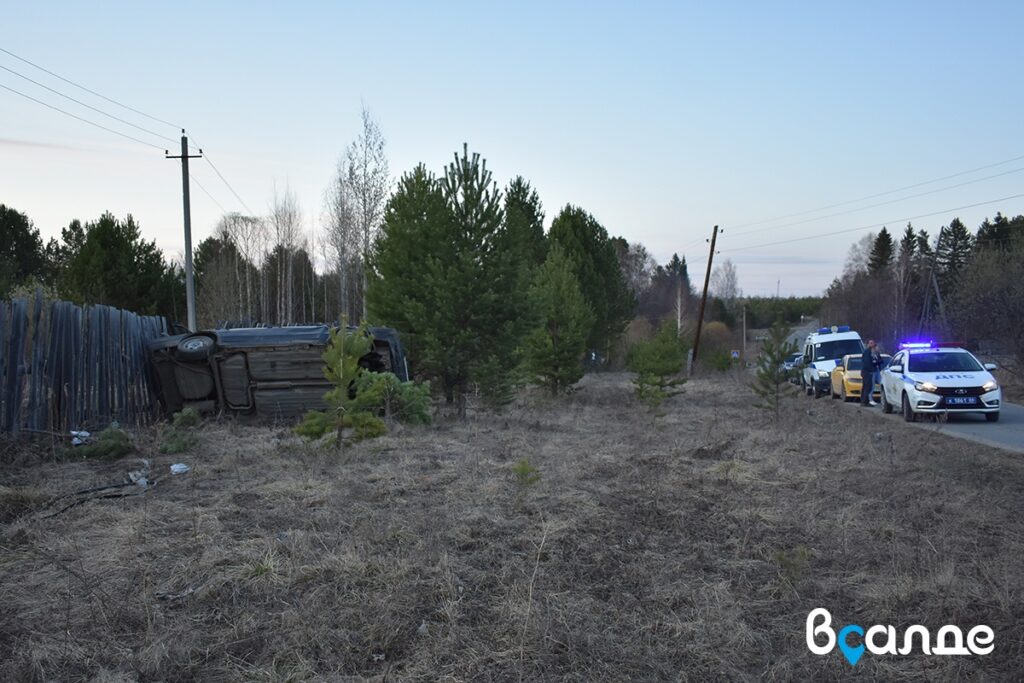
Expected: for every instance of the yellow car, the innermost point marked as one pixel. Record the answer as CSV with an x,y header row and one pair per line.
x,y
846,378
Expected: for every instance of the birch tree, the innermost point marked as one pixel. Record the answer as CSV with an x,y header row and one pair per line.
x,y
286,228
370,182
341,236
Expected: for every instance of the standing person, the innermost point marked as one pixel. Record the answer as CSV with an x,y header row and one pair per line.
x,y
870,363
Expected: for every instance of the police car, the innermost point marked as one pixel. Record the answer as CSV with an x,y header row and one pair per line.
x,y
822,351
933,378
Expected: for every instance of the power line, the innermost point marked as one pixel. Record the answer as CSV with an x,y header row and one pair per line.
x,y
76,116
873,206
89,106
874,225
225,181
116,118
91,92
881,194
207,193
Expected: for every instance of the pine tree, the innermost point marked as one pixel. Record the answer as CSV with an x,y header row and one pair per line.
x,y
412,276
21,249
881,253
657,364
772,379
524,238
438,276
554,349
596,267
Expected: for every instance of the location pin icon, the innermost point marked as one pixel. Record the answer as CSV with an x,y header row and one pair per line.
x,y
852,654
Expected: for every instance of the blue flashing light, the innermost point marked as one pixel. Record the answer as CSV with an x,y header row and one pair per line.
x,y
824,330
844,328
916,345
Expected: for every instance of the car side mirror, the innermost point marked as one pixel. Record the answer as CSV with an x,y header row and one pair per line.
x,y
991,366
896,368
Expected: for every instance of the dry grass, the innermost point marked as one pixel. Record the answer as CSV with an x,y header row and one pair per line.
x,y
689,546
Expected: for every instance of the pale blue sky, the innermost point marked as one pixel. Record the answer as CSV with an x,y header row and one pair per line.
x,y
661,119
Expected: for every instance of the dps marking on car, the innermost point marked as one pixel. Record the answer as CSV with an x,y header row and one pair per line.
x,y
928,378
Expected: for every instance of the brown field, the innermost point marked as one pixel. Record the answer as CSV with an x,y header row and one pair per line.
x,y
686,546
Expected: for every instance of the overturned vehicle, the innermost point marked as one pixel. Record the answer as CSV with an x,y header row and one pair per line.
x,y
272,372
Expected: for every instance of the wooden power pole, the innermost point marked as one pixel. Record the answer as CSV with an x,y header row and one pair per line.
x,y
190,285
704,296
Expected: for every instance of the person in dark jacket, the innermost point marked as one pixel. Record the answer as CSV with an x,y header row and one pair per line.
x,y
870,363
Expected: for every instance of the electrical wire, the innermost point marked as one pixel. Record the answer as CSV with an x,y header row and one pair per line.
x,y
225,181
881,194
84,120
873,225
207,193
874,206
88,106
116,118
91,92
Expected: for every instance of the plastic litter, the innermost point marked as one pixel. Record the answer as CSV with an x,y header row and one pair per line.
x,y
79,437
179,468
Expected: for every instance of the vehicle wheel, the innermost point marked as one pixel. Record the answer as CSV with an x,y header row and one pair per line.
x,y
843,394
818,393
886,406
992,417
803,386
198,347
908,413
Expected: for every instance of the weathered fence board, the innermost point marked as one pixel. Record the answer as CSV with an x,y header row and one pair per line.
x,y
65,367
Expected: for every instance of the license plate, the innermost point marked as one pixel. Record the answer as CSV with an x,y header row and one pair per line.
x,y
961,400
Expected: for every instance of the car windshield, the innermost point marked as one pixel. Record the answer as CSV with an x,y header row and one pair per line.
x,y
943,361
854,363
836,349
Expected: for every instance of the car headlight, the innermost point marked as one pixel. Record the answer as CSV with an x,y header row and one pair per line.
x,y
822,373
926,386
989,386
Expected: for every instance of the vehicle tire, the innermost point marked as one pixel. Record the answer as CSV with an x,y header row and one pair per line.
x,y
197,347
886,406
818,393
992,417
842,394
908,413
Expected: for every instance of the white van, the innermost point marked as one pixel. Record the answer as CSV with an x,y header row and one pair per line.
x,y
823,350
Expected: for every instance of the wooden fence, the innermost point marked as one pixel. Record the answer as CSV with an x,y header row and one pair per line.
x,y
65,367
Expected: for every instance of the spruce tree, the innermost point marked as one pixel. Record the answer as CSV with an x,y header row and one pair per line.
x,y
881,253
952,253
553,350
998,233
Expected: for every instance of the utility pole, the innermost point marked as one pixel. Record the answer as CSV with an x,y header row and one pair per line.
x,y
704,296
190,287
744,331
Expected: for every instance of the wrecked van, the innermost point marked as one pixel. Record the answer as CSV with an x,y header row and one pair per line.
x,y
272,372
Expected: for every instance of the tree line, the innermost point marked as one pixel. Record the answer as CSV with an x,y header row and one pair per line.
x,y
486,293
959,285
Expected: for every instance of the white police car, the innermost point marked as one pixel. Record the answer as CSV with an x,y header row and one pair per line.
x,y
822,351
931,378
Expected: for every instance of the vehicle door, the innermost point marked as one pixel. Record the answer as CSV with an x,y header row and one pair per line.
x,y
891,381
